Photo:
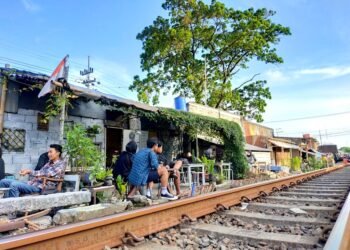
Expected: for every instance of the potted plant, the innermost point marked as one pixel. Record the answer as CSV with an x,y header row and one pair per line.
x,y
209,166
100,175
121,187
83,155
295,164
92,131
220,179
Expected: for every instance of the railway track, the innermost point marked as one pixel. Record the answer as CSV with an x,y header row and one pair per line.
x,y
296,212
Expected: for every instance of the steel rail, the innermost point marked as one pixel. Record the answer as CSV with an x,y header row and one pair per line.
x,y
340,234
115,229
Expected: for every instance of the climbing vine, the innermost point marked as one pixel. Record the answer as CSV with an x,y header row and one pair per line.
x,y
228,132
55,103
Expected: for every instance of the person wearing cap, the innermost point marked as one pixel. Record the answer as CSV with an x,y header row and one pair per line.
x,y
54,169
145,168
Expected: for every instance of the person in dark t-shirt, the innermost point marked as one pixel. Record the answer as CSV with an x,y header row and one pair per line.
x,y
43,159
123,165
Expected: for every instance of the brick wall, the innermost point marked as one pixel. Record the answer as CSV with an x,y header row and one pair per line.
x,y
37,142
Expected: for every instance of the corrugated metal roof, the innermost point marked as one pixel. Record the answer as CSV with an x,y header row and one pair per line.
x,y
283,144
249,147
80,91
95,94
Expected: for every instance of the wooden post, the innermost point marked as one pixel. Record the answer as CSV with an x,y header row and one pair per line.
x,y
2,106
197,147
62,118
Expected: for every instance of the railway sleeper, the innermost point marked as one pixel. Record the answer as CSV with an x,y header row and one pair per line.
x,y
253,236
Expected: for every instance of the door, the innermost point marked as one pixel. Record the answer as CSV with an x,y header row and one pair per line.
x,y
113,144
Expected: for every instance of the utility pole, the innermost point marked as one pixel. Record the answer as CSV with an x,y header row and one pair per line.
x,y
320,136
86,72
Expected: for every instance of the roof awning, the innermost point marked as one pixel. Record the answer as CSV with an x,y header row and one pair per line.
x,y
249,147
308,152
211,139
284,144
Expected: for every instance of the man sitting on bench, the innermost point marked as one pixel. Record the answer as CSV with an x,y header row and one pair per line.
x,y
53,169
145,169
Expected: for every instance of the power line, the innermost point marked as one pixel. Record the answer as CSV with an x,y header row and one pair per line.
x,y
312,131
24,66
310,117
43,55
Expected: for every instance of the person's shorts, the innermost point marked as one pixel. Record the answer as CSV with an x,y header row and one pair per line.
x,y
153,176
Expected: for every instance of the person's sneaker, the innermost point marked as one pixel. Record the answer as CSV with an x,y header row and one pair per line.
x,y
149,197
169,196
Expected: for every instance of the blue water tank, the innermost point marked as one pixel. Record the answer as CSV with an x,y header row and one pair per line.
x,y
180,103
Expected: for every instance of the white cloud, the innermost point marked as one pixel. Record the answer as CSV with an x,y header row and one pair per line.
x,y
329,126
275,76
327,72
30,6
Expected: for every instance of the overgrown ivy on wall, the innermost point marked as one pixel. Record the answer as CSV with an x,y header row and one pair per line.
x,y
192,124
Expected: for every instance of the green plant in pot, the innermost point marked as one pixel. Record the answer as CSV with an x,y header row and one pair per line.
x,y
209,166
220,178
82,153
295,164
92,131
121,186
101,176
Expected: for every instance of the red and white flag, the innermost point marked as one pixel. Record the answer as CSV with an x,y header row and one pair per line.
x,y
59,72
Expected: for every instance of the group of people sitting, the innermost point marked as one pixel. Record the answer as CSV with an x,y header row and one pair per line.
x,y
141,169
50,165
148,166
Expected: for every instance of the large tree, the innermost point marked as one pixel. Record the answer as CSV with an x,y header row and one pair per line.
x,y
202,47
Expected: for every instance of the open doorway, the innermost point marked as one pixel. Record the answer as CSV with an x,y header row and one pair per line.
x,y
113,143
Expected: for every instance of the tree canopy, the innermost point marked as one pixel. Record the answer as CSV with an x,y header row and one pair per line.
x,y
202,47
345,149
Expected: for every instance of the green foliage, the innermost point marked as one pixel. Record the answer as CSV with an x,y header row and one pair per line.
x,y
316,163
229,132
82,152
295,163
286,162
208,164
345,149
100,173
55,103
198,37
220,178
121,186
93,130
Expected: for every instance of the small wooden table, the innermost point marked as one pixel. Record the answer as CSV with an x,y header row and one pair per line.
x,y
95,190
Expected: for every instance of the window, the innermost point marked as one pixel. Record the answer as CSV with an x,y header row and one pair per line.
x,y
13,140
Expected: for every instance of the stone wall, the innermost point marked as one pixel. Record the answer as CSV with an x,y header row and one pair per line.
x,y
37,142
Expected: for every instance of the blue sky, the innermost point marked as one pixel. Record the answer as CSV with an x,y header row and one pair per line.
x,y
314,79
